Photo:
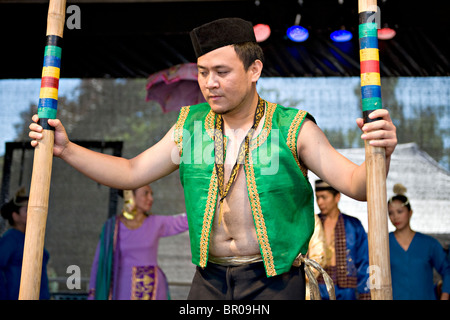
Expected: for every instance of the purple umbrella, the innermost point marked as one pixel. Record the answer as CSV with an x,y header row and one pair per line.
x,y
175,87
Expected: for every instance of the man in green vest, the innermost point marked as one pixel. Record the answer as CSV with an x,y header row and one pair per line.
x,y
243,163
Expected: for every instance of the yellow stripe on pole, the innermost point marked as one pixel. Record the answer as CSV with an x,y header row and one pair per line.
x,y
370,78
48,93
368,54
50,72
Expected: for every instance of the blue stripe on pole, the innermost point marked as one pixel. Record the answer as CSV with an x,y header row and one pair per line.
x,y
47,108
368,42
48,103
371,91
52,61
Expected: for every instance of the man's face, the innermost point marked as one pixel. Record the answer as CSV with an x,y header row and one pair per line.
x,y
223,80
326,201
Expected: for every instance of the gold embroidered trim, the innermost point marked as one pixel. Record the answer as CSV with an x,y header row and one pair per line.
x,y
207,218
144,283
262,136
256,141
219,153
292,141
178,130
261,230
253,194
209,124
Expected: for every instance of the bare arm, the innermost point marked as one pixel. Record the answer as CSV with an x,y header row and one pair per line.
x,y
321,158
152,164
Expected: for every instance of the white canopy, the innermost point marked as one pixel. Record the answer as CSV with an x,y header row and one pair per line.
x,y
427,183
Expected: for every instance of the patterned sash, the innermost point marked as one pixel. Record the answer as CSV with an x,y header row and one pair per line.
x,y
339,273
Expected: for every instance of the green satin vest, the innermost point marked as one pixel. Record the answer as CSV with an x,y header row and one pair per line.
x,y
279,192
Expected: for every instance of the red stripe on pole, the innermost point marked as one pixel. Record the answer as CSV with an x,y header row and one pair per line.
x,y
370,66
50,82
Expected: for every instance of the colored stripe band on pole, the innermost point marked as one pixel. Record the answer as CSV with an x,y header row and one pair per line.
x,y
52,61
53,40
371,104
370,66
368,42
371,92
48,96
370,78
50,72
48,108
43,122
369,62
367,30
369,54
47,113
48,103
50,82
51,93
52,50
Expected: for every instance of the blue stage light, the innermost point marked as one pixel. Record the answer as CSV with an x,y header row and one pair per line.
x,y
341,36
297,33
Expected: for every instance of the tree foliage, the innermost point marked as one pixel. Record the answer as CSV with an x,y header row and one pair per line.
x,y
110,110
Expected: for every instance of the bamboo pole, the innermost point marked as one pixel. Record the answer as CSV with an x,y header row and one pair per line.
x,y
43,157
378,238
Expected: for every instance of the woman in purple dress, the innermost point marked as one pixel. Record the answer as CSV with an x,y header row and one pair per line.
x,y
125,265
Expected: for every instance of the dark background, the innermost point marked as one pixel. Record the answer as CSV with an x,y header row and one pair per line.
x,y
127,39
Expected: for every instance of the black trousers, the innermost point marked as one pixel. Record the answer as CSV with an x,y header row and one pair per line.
x,y
247,282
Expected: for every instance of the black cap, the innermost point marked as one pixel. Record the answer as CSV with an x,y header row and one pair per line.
x,y
220,33
322,185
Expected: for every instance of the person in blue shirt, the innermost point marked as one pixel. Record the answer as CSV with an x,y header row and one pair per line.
x,y
413,255
11,250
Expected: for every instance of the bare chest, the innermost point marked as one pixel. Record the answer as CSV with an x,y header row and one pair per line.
x,y
235,234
